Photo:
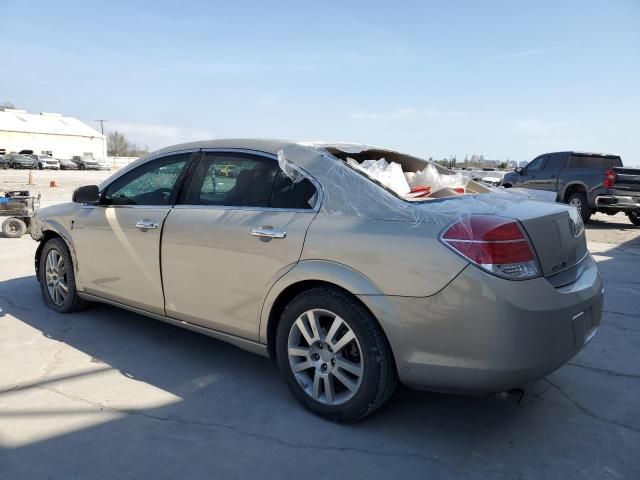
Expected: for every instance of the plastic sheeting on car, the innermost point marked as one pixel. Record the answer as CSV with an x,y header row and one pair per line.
x,y
350,192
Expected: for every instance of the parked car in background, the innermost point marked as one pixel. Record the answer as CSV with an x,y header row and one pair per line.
x,y
85,162
18,160
67,164
42,162
4,163
592,182
301,256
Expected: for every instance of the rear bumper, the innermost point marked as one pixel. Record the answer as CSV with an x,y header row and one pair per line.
x,y
617,202
483,334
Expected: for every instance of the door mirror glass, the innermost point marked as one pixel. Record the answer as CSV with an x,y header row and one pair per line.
x,y
86,194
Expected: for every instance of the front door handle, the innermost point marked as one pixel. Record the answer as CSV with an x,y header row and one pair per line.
x,y
145,224
268,232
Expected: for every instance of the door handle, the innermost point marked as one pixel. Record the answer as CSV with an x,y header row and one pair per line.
x,y
268,233
145,224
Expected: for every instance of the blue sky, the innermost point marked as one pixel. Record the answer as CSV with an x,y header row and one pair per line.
x,y
504,79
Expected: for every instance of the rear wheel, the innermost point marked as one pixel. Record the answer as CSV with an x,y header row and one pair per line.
x,y
334,355
14,227
57,278
81,167
634,217
579,200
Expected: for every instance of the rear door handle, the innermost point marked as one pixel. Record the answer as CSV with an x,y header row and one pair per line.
x,y
145,224
268,232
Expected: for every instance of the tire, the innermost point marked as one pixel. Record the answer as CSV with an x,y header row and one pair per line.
x,y
51,269
14,227
579,200
368,354
40,167
81,167
634,217
507,185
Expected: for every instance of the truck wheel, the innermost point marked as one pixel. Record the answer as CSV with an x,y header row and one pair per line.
x,y
634,217
14,227
579,200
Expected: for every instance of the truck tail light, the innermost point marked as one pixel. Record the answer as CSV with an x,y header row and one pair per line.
x,y
609,179
498,245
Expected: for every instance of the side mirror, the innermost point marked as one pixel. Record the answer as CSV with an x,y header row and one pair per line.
x,y
519,170
86,194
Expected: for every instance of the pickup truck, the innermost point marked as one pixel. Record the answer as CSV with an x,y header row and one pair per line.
x,y
591,182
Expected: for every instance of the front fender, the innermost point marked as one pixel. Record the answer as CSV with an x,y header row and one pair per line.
x,y
46,229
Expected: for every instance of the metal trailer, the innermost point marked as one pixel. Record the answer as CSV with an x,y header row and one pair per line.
x,y
20,207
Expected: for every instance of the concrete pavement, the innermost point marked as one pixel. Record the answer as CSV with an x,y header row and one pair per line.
x,y
109,394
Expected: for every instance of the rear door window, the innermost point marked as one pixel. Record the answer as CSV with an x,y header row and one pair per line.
x,y
234,180
293,195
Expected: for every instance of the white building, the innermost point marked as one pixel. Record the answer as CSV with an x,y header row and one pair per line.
x,y
49,133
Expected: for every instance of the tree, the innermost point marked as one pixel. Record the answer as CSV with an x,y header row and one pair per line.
x,y
4,105
119,146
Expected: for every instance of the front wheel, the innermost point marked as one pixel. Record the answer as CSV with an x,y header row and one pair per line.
x,y
334,355
634,217
57,278
579,200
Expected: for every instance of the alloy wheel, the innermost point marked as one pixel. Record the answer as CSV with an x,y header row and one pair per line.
x,y
325,357
56,277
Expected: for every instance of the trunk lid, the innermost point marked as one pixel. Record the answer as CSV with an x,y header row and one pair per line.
x,y
558,239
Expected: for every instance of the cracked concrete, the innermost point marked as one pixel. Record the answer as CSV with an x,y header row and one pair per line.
x,y
109,394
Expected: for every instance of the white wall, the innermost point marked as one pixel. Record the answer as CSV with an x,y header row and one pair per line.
x,y
62,146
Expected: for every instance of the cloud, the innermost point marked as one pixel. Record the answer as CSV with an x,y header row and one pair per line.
x,y
398,114
156,135
526,53
406,113
538,127
247,67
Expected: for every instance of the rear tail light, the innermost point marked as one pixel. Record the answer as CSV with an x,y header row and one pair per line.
x,y
609,179
496,244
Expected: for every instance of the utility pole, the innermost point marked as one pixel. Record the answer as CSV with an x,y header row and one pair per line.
x,y
101,125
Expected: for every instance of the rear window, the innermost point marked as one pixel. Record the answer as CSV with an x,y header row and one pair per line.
x,y
593,161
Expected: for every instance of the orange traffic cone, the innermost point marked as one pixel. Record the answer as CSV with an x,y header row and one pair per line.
x,y
52,184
